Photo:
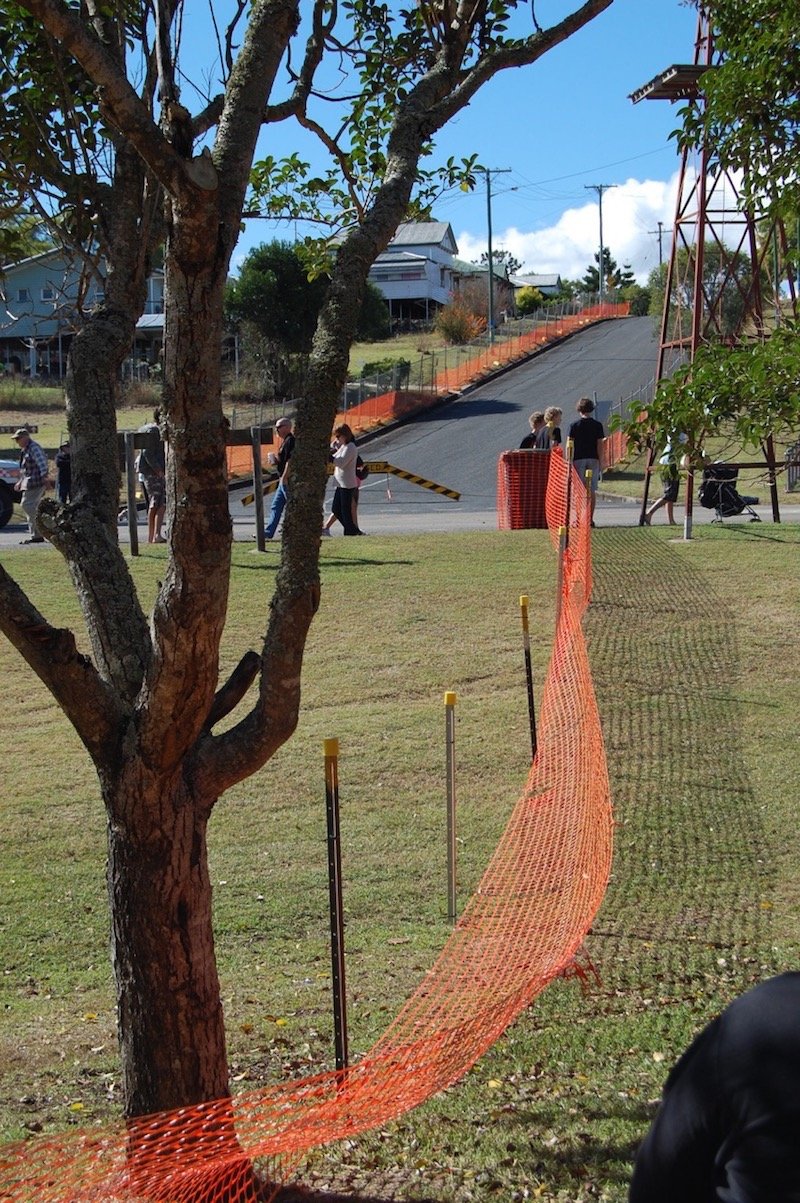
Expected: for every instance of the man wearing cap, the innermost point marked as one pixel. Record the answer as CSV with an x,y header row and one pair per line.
x,y
32,480
283,429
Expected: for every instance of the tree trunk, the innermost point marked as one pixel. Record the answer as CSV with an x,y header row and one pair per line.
x,y
170,1020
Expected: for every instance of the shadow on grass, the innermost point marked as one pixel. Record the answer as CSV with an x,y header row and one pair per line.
x,y
300,1194
613,474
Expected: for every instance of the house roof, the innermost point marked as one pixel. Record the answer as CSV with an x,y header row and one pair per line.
x,y
534,281
425,233
23,264
462,268
395,257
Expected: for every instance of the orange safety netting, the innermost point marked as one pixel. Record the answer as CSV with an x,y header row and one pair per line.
x,y
522,927
522,478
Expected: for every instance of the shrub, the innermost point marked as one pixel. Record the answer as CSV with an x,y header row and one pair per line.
x,y
457,324
400,368
528,300
135,394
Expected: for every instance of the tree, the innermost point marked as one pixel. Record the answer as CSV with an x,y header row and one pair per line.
x,y
273,293
502,259
22,235
276,302
637,297
473,296
724,289
751,112
458,323
147,699
613,276
748,392
373,320
279,294
528,300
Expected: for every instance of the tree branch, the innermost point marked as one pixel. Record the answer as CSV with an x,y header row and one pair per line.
x,y
315,48
90,704
491,62
218,762
230,695
121,106
115,621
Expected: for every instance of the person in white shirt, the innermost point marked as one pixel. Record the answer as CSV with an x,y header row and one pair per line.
x,y
344,454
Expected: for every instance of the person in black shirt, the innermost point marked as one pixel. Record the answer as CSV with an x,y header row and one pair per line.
x,y
280,462
550,434
728,1124
536,422
63,473
587,434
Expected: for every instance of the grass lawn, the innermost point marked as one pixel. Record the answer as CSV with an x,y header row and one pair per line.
x,y
688,645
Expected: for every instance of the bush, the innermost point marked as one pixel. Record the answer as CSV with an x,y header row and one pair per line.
x,y
399,368
456,324
638,298
528,300
136,394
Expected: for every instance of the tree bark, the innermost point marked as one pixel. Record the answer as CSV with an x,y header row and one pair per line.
x,y
170,1019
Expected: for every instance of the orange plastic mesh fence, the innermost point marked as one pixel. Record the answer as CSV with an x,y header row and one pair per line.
x,y
616,448
522,478
522,927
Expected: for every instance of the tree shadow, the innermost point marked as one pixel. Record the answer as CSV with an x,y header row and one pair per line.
x,y
300,1194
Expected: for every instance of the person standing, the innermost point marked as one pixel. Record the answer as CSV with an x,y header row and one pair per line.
x,y
670,481
32,481
344,454
587,434
536,422
550,433
152,470
280,461
63,474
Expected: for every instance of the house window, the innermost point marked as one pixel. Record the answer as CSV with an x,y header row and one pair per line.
x,y
48,293
23,295
155,297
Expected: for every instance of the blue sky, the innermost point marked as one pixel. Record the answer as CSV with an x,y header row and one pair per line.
x,y
560,126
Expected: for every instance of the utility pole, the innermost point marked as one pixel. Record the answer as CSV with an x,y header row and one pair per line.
x,y
660,232
600,189
489,174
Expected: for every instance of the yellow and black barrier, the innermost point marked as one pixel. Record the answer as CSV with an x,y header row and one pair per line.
x,y
374,465
379,465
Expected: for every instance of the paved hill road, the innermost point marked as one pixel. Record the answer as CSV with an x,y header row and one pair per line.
x,y
459,444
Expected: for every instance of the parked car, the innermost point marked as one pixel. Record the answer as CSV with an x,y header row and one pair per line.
x,y
9,475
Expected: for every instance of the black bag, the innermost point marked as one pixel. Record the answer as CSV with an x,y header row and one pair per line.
x,y
362,471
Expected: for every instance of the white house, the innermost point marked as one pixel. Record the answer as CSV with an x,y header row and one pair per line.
x,y
415,272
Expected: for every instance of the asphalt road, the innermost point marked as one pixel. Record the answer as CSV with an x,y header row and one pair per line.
x,y
458,444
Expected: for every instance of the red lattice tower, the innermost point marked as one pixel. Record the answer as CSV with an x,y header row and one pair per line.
x,y
727,265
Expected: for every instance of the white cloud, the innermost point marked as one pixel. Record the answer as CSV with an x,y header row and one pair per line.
x,y
631,213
